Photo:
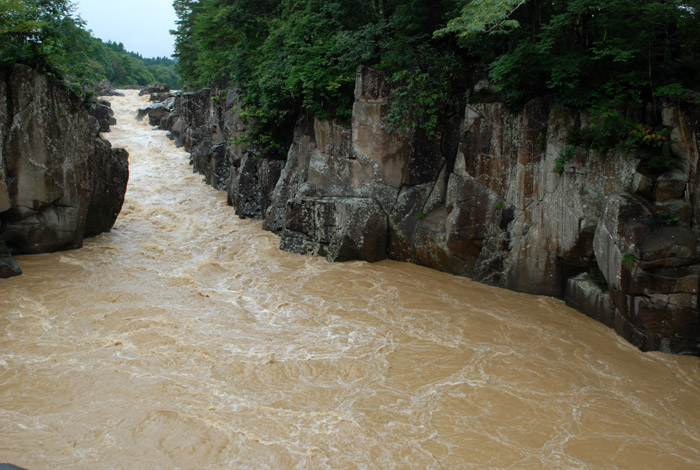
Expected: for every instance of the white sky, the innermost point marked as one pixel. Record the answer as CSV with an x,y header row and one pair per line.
x,y
143,26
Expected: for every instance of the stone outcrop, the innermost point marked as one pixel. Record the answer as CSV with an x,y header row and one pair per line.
x,y
8,265
617,240
156,111
336,227
105,88
154,88
102,111
59,180
110,181
161,96
207,124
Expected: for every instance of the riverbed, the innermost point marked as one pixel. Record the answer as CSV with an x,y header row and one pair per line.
x,y
185,338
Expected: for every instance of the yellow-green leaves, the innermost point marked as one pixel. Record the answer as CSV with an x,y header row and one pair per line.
x,y
483,16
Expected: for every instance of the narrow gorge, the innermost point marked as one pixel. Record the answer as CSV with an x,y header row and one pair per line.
x,y
184,338
500,196
349,234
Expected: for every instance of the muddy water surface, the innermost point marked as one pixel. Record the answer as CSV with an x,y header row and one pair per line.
x,y
185,339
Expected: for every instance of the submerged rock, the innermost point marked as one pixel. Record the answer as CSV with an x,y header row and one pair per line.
x,y
156,112
154,88
8,265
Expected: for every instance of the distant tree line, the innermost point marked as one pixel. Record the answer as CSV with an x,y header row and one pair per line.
x,y
47,35
300,56
111,61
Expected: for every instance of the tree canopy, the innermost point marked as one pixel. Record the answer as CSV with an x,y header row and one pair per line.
x,y
47,35
300,56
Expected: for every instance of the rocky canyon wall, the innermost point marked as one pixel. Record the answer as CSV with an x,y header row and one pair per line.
x,y
480,199
59,180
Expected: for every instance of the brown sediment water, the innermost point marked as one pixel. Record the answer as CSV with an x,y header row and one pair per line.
x,y
185,339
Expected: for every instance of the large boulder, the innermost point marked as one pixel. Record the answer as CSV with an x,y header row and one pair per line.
x,y
156,112
105,88
338,228
292,178
625,225
53,164
251,183
590,298
111,176
651,271
670,185
154,88
102,111
158,97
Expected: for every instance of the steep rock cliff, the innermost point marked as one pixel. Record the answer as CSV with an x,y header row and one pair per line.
x,y
481,199
59,180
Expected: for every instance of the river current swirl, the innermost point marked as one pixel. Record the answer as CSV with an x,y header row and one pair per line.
x,y
184,339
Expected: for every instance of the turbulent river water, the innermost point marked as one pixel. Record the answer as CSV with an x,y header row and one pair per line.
x,y
185,339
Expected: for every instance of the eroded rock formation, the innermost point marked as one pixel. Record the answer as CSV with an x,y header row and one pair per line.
x,y
480,199
59,180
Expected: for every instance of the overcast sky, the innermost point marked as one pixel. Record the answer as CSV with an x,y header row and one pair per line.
x,y
142,25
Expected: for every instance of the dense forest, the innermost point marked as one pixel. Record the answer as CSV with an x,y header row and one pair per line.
x,y
47,35
300,56
111,61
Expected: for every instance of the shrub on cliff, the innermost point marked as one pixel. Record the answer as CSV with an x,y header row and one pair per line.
x,y
293,57
585,52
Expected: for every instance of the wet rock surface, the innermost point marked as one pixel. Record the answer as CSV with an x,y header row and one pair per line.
x,y
340,229
102,111
8,265
154,88
479,199
105,88
60,180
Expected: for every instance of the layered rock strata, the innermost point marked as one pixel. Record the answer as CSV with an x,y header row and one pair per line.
x,y
480,199
59,180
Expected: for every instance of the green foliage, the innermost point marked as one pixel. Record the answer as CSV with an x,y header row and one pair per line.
x,y
296,57
649,145
628,260
111,61
667,217
587,52
46,35
644,135
676,91
420,92
565,156
300,57
483,16
609,129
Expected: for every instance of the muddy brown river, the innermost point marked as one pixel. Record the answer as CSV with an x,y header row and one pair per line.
x,y
184,339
